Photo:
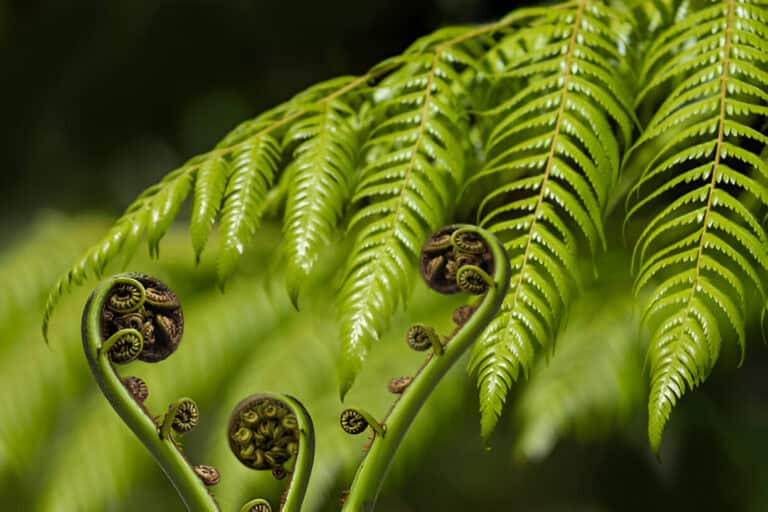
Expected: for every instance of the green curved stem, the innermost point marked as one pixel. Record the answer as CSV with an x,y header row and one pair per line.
x,y
370,476
190,487
305,457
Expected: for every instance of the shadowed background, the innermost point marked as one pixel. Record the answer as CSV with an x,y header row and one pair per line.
x,y
101,99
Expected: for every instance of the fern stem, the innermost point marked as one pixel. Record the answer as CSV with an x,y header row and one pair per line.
x,y
164,449
370,476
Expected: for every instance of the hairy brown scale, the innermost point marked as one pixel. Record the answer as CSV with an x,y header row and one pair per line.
x,y
399,384
137,388
208,474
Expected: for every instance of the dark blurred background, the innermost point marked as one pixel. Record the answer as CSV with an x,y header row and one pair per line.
x,y
100,99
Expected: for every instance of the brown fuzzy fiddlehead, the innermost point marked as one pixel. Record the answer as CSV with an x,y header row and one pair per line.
x,y
149,307
274,432
263,433
446,252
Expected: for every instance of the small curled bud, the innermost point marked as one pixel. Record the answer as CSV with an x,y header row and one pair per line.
x,y
399,385
355,421
437,243
124,346
462,314
162,298
125,297
137,388
185,415
468,242
208,474
472,279
420,338
257,505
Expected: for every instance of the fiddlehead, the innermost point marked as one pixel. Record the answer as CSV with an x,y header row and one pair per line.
x,y
182,417
144,304
269,431
355,421
136,317
420,338
454,259
124,346
257,505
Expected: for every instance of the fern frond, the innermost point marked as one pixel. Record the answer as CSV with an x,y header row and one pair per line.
x,y
230,181
415,163
592,384
254,168
703,249
210,184
553,152
322,173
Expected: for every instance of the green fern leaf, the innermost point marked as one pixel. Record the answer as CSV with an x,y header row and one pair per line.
x,y
321,178
164,207
209,192
254,166
415,163
552,157
703,248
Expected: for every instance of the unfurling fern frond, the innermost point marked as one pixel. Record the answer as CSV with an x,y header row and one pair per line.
x,y
703,249
325,152
415,164
552,156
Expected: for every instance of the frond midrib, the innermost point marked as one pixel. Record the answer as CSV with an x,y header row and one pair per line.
x,y
716,161
551,156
